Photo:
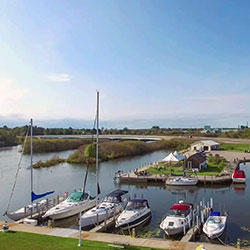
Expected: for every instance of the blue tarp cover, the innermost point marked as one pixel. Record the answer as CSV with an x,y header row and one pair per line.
x,y
38,196
214,213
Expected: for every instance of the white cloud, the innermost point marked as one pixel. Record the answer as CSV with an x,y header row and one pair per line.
x,y
58,77
11,96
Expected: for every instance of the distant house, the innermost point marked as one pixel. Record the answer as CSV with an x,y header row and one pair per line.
x,y
196,162
207,145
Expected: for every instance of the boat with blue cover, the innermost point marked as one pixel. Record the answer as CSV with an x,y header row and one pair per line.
x,y
215,225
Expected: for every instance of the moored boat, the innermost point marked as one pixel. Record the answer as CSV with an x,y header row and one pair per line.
x,y
136,213
74,204
111,205
180,216
215,225
239,176
181,181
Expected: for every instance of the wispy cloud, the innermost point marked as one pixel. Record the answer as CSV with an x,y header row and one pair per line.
x,y
11,95
58,77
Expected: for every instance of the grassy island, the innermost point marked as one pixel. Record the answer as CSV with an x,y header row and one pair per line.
x,y
215,164
52,162
54,145
113,149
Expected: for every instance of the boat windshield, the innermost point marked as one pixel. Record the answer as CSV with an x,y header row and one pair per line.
x,y
112,199
76,197
135,205
214,220
178,213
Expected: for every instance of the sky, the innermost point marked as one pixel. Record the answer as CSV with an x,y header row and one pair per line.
x,y
170,63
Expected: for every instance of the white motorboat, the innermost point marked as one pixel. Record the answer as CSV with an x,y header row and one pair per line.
x,y
136,213
215,225
180,216
181,181
239,176
111,205
74,204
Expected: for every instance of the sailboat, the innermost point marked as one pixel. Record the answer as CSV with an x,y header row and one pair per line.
x,y
32,208
79,201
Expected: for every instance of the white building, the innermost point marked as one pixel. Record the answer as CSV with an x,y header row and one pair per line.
x,y
207,145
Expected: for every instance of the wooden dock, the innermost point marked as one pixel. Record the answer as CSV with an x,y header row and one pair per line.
x,y
102,227
131,177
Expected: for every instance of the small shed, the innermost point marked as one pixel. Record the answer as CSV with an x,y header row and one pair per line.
x,y
206,145
196,162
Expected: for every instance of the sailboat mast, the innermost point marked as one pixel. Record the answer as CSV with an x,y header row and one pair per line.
x,y
97,143
31,157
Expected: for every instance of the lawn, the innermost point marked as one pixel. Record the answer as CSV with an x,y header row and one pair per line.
x,y
160,169
209,171
235,147
23,241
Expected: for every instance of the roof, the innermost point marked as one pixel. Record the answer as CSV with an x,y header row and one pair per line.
x,y
117,193
173,158
138,200
200,157
207,143
210,143
180,157
180,207
239,174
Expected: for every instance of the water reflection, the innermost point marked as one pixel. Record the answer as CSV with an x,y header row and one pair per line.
x,y
67,177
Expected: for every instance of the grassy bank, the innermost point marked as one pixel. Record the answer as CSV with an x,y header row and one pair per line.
x,y
113,149
52,162
24,241
235,147
215,164
54,145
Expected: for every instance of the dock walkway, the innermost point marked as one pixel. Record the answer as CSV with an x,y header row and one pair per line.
x,y
115,238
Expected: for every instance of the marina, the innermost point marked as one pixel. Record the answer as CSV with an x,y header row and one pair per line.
x,y
160,197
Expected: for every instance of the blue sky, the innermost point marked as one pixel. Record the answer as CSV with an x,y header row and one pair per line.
x,y
170,63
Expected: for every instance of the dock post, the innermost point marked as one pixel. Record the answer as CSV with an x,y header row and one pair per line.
x,y
105,221
80,231
97,219
57,199
38,210
211,202
25,211
54,202
202,217
47,203
114,213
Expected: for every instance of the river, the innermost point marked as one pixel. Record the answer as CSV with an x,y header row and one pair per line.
x,y
67,177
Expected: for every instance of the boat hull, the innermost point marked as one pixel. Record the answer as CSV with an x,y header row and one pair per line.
x,y
21,214
136,222
93,219
214,233
71,211
239,180
182,183
174,231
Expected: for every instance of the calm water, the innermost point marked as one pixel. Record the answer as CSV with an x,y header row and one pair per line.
x,y
67,177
